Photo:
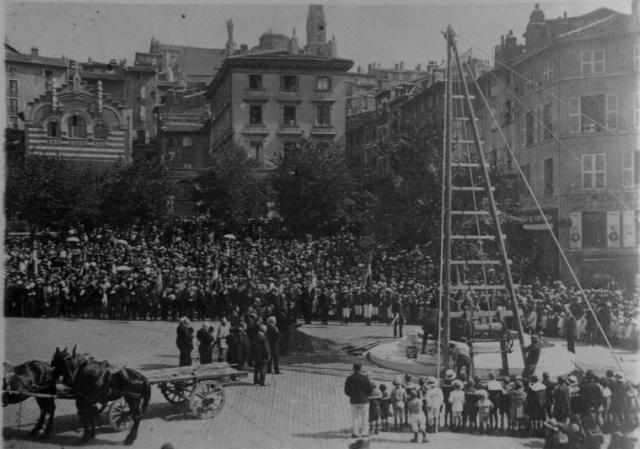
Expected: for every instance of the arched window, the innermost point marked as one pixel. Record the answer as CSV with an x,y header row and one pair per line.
x,y
77,127
100,131
53,128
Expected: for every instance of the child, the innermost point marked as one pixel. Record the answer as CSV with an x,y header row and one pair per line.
x,y
456,399
434,399
484,410
384,407
397,398
374,409
416,416
518,397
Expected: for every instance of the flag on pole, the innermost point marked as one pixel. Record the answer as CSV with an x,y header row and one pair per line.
x,y
314,281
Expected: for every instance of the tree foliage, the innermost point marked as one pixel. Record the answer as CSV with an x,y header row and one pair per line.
x,y
232,190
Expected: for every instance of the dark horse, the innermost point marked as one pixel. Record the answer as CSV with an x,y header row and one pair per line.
x,y
31,377
94,382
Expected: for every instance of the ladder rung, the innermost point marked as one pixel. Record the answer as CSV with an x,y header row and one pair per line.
x,y
469,212
465,141
481,287
470,189
476,262
476,237
458,97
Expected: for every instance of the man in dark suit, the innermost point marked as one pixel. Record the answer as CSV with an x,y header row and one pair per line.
x,y
205,340
359,388
260,352
571,330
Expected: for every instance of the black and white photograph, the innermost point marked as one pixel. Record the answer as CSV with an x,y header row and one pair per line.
x,y
350,225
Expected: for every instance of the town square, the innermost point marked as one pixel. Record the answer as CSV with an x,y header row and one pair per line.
x,y
302,225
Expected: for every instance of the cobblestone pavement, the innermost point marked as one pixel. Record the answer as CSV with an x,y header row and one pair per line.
x,y
303,407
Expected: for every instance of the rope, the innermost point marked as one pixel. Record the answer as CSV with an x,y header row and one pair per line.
x,y
550,228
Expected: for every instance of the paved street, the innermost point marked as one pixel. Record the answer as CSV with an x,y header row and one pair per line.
x,y
303,407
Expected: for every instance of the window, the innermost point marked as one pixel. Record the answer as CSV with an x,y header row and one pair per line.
x,y
187,141
289,115
592,109
13,70
636,57
628,170
323,83
289,82
53,128
13,122
255,114
529,127
13,87
593,171
255,81
636,109
547,120
592,61
547,74
594,229
141,135
548,176
323,115
13,105
77,127
256,151
100,132
574,115
530,84
612,111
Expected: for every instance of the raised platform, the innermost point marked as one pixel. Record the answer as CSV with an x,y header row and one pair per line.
x,y
554,359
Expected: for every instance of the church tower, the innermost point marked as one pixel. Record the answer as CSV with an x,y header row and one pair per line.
x,y
316,31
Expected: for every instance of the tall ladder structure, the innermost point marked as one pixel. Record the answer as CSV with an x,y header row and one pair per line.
x,y
474,249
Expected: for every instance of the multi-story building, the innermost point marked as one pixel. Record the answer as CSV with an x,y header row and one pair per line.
x,y
564,100
29,76
78,123
266,101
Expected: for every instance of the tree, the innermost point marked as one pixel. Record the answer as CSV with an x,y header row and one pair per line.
x,y
134,193
52,192
232,190
316,193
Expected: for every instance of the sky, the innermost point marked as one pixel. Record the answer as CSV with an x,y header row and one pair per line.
x,y
385,32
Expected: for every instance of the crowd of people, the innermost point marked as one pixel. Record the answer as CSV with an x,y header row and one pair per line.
x,y
188,268
570,412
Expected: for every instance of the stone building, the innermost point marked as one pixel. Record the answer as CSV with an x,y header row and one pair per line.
x,y
569,104
80,124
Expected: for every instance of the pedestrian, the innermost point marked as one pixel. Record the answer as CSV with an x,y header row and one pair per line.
x,y
221,339
184,341
205,343
434,399
260,356
447,388
456,399
273,338
561,410
571,330
485,406
384,407
397,398
375,409
532,357
358,388
416,418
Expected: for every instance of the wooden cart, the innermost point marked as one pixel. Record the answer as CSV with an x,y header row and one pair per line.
x,y
199,386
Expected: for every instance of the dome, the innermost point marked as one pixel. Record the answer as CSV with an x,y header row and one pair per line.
x,y
274,32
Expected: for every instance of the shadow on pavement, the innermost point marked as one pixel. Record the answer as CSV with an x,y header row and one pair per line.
x,y
344,434
9,434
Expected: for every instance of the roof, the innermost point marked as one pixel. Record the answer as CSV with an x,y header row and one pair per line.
x,y
182,126
10,56
280,60
100,76
195,60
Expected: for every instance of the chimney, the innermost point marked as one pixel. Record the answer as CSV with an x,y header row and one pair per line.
x,y
396,66
564,15
34,51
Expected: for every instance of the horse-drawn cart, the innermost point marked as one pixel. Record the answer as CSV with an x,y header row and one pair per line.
x,y
200,386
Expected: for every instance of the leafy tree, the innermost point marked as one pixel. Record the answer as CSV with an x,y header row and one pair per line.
x,y
52,192
134,193
232,190
316,193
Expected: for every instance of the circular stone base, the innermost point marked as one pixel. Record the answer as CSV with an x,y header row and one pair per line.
x,y
554,359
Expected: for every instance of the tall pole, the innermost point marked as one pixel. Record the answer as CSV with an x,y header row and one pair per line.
x,y
445,289
492,203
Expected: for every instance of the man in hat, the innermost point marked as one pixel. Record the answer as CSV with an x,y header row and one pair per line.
x,y
260,355
184,341
532,356
571,330
561,401
205,343
358,387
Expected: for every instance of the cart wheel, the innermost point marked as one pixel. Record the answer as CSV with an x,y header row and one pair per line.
x,y
120,415
177,392
207,399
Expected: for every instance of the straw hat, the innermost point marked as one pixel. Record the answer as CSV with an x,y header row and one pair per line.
x,y
449,375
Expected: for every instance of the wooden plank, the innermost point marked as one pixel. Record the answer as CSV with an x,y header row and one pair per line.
x,y
210,371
